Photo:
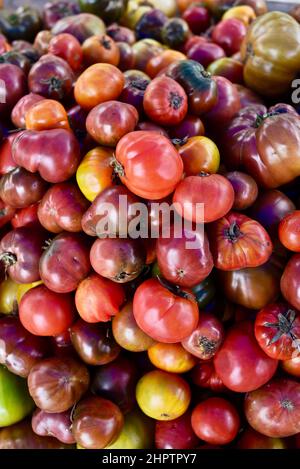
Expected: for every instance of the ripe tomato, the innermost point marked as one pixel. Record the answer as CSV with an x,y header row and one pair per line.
x,y
237,242
67,47
162,395
175,434
100,49
289,283
241,363
11,294
171,357
277,327
43,312
162,314
205,341
215,421
274,409
199,154
229,34
97,84
245,189
203,198
227,67
97,298
204,375
46,114
148,164
289,231
292,366
165,101
25,216
163,60
20,110
251,439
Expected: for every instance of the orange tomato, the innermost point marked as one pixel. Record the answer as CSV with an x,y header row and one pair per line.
x,y
100,49
163,60
144,50
171,357
199,154
45,115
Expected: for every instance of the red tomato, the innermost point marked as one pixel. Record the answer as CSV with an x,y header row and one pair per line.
x,y
241,363
215,421
43,312
175,434
289,231
7,213
148,164
289,283
165,316
237,242
68,48
212,192
25,216
204,375
292,366
165,101
229,34
277,328
98,299
206,339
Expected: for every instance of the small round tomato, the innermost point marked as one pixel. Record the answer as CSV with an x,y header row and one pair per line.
x,y
43,312
148,164
227,67
100,49
215,421
229,34
277,330
67,47
46,114
165,101
292,366
20,110
203,198
289,282
171,357
137,432
191,126
97,84
197,17
245,189
97,298
205,53
162,395
163,312
199,154
175,434
157,63
205,341
289,231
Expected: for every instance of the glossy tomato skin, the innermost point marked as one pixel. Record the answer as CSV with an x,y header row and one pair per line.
x,y
94,343
98,298
205,341
65,262
247,96
288,231
175,434
20,188
7,163
14,81
229,34
100,49
191,126
46,114
215,421
199,154
155,309
277,328
273,409
290,281
20,250
62,208
227,67
197,17
184,260
160,62
121,33
238,242
54,153
239,354
204,375
82,25
46,313
227,105
67,47
245,189
26,216
165,101
151,166
56,384
56,424
213,193
292,366
135,85
171,357
108,122
22,107
205,53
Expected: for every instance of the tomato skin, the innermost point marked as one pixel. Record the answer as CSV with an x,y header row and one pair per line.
x,y
155,309
133,92
205,53
14,80
289,283
251,439
215,421
149,161
175,434
199,154
67,47
292,366
227,67
165,101
46,114
238,242
46,313
42,41
162,395
159,62
289,231
108,122
97,84
227,105
57,424
121,34
7,163
204,375
276,328
100,49
206,339
191,126
25,216
274,409
20,110
245,189
239,354
6,213
171,357
212,190
229,34
98,298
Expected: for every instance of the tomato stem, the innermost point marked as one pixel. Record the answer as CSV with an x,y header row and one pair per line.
x,y
8,258
175,289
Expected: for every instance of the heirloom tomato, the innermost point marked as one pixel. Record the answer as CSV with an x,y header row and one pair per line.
x,y
245,189
159,62
21,436
205,341
46,114
56,424
227,67
20,110
251,439
13,86
82,25
171,357
205,53
175,434
289,231
20,188
100,49
290,281
137,432
229,34
199,154
67,47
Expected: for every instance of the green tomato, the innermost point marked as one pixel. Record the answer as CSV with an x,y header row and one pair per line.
x,y
15,401
137,432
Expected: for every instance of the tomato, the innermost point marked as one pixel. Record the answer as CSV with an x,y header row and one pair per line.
x,y
289,231
205,341
241,363
148,164
97,299
162,313
11,294
229,34
150,24
238,242
277,329
41,42
205,53
274,409
20,110
68,48
191,126
46,114
109,10
245,189
289,283
199,154
100,49
184,257
292,366
174,32
97,84
137,432
144,50
227,67
203,198
165,101
127,333
228,103
171,357
251,439
108,122
204,375
121,34
244,13
57,424
163,60
162,395
271,64
127,58
215,421
13,87
133,92
175,434
204,292
197,17
81,26
43,312
15,402
247,96
20,188
25,216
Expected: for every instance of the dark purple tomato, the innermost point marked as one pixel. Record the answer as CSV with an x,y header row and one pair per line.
x,y
197,17
150,25
127,56
245,189
121,33
176,434
133,92
20,188
205,53
12,86
82,26
55,11
189,127
53,424
76,118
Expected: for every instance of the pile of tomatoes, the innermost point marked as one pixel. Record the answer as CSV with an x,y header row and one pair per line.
x,y
120,341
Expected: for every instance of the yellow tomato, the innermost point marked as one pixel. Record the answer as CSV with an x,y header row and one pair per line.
x,y
137,432
95,172
133,13
162,395
11,294
244,13
199,154
171,357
